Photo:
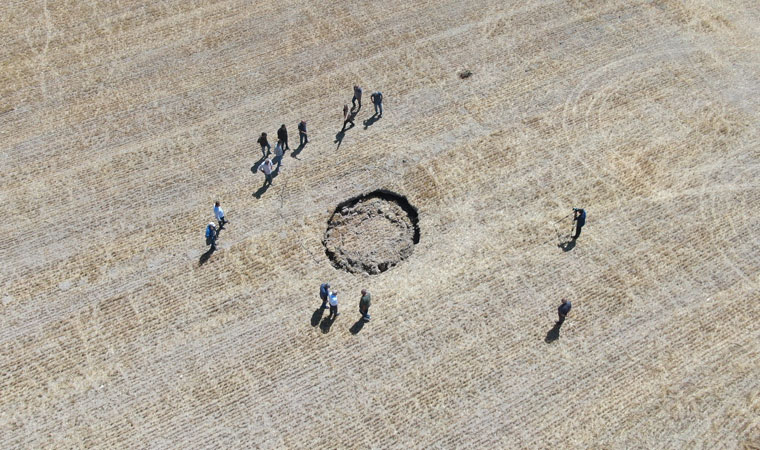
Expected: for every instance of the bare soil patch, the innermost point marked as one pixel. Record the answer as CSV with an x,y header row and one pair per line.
x,y
371,233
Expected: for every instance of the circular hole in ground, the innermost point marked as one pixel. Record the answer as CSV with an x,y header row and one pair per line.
x,y
372,232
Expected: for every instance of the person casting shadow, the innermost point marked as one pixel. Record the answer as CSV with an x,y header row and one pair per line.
x,y
267,168
350,117
211,236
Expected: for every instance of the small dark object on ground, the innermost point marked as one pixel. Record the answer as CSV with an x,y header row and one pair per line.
x,y
465,74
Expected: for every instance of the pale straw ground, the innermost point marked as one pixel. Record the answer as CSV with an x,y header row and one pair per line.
x,y
122,121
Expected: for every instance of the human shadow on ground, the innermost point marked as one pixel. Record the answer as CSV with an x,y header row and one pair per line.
x,y
299,149
326,324
317,316
567,246
553,334
262,189
339,138
357,327
205,257
369,122
277,161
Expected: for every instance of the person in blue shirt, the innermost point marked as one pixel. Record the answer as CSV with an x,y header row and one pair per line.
x,y
211,235
563,310
580,220
324,291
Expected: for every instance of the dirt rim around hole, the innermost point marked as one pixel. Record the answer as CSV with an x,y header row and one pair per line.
x,y
372,232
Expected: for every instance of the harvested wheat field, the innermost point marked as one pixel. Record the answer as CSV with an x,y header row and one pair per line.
x,y
122,122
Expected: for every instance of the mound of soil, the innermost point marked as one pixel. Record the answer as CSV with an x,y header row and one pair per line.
x,y
371,233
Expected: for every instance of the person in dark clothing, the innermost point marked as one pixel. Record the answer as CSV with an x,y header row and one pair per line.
x,y
324,291
364,303
302,133
377,100
265,147
349,119
563,309
580,220
357,98
282,134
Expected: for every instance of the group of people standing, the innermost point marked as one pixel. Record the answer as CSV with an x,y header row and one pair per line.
x,y
330,297
327,295
356,104
267,166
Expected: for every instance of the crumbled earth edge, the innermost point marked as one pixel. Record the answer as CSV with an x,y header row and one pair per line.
x,y
396,209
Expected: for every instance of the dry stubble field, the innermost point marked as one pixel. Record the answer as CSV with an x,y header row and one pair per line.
x,y
121,122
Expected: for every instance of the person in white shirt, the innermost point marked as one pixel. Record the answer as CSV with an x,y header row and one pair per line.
x,y
278,152
267,168
333,298
219,214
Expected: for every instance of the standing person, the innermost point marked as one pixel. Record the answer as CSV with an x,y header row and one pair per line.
x,y
267,168
302,133
580,220
357,97
324,291
278,152
211,235
364,303
282,134
219,213
333,298
563,309
377,100
349,119
265,147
